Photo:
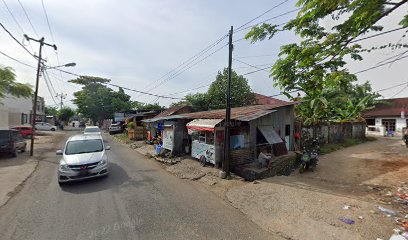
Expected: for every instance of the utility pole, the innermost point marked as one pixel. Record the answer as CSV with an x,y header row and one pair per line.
x,y
34,115
61,96
226,162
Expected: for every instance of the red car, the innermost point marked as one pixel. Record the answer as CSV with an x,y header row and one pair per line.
x,y
26,131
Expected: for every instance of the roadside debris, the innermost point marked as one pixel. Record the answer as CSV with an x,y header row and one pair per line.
x,y
347,220
346,207
387,211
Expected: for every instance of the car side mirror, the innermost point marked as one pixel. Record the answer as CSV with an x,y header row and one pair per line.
x,y
107,147
58,152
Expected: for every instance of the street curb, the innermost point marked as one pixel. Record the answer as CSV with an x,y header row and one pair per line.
x,y
20,185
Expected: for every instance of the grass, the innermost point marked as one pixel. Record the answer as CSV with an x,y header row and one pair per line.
x,y
123,138
331,147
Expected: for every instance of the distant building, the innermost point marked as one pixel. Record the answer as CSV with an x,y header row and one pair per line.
x,y
18,110
391,116
266,100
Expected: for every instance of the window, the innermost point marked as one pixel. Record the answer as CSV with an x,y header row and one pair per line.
x,y
201,137
370,121
389,124
209,138
84,146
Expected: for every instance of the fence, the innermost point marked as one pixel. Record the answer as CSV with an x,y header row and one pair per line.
x,y
336,132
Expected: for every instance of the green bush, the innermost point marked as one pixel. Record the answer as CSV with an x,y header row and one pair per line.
x,y
131,125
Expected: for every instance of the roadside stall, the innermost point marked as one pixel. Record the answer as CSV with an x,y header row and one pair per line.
x,y
207,140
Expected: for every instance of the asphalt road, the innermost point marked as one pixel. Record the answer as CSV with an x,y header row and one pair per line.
x,y
139,200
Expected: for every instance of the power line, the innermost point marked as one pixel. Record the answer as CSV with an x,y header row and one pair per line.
x,y
193,58
250,65
260,69
187,64
257,56
380,65
399,91
257,17
378,34
28,18
15,39
49,89
115,85
48,22
14,59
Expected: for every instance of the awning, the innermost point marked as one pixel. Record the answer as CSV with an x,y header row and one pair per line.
x,y
203,124
270,134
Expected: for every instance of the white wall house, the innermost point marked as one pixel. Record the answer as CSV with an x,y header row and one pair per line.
x,y
14,111
391,116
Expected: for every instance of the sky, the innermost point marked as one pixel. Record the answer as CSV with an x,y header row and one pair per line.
x,y
135,43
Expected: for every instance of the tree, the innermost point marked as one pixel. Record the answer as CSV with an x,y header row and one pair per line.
x,y
51,111
147,106
318,61
65,114
98,102
241,93
9,85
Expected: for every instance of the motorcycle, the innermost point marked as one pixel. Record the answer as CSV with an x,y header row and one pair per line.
x,y
310,158
406,140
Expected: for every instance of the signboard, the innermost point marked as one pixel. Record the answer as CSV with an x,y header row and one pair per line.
x,y
168,136
118,117
201,149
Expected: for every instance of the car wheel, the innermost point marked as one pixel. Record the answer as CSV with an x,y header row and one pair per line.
x,y
14,153
203,161
52,129
24,149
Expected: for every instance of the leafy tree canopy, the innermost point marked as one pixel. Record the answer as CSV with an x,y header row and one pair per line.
x,y
147,106
317,63
51,111
65,114
8,84
98,102
215,97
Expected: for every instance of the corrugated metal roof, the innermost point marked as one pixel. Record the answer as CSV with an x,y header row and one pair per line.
x,y
204,123
171,111
392,107
244,114
165,118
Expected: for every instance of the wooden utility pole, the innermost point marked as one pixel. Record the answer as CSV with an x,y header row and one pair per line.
x,y
226,162
34,115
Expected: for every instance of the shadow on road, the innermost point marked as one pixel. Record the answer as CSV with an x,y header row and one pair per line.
x,y
117,176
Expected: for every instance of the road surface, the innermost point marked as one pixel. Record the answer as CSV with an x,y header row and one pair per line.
x,y
139,200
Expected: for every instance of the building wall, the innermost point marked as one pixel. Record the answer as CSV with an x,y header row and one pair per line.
x,y
11,109
278,120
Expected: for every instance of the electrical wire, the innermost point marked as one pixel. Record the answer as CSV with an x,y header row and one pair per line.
x,y
380,65
399,91
28,18
256,56
378,34
250,65
48,22
49,89
259,16
15,39
14,59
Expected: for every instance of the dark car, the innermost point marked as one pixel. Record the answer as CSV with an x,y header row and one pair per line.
x,y
26,131
11,142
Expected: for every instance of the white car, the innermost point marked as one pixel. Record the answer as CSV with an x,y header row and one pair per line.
x,y
92,130
45,126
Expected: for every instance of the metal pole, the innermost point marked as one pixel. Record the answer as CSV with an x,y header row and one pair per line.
x,y
34,116
226,163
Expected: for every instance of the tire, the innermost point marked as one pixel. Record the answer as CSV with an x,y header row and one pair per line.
x,y
24,149
302,168
203,161
14,153
52,129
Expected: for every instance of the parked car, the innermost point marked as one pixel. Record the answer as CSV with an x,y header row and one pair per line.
x,y
83,157
115,128
11,142
92,130
45,126
26,131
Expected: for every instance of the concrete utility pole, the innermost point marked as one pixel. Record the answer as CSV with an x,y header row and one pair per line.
x,y
226,163
61,96
34,115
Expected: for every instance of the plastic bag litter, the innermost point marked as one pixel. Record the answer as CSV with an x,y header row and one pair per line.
x,y
387,211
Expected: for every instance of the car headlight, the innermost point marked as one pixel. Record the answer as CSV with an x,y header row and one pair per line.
x,y
103,162
64,167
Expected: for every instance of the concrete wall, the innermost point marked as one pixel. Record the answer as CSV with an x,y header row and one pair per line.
x,y
11,109
336,132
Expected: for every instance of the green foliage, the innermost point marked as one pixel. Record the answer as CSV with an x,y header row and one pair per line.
x,y
51,111
9,85
316,64
65,114
145,106
131,125
215,97
98,102
241,93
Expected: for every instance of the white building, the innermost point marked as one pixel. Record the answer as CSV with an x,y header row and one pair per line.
x,y
391,116
17,110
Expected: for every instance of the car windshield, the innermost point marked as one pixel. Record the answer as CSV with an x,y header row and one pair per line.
x,y
91,130
84,146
